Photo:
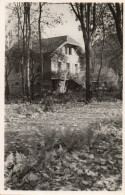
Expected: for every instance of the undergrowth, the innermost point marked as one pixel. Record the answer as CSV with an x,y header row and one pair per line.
x,y
24,171
37,164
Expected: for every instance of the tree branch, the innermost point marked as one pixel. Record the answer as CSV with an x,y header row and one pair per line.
x,y
112,11
74,10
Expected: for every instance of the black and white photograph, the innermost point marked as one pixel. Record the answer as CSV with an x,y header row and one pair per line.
x,y
63,96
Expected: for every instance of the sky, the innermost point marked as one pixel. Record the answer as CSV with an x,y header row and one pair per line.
x,y
69,26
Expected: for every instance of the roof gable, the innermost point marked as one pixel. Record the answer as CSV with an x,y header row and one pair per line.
x,y
49,45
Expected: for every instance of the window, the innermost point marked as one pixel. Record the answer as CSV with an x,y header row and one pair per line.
x,y
70,51
59,65
65,49
76,68
68,67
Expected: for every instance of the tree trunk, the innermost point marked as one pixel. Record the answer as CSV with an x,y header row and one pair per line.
x,y
86,14
101,64
99,73
22,74
88,63
32,90
28,39
40,47
87,40
28,63
23,58
119,34
7,91
117,14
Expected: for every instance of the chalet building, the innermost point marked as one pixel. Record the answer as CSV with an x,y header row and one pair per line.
x,y
61,56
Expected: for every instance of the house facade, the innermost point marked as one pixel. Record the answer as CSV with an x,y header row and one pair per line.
x,y
61,56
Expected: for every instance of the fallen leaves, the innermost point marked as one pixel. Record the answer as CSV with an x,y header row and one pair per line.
x,y
42,153
80,172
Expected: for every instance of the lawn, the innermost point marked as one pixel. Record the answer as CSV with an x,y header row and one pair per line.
x,y
78,146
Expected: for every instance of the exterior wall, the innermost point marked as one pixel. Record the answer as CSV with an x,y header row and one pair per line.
x,y
15,84
14,81
47,63
72,59
47,84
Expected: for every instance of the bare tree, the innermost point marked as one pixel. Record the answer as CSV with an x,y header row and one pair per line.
x,y
27,22
101,62
40,46
13,57
117,13
86,14
8,68
28,28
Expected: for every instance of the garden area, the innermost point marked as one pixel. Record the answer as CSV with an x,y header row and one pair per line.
x,y
71,146
63,96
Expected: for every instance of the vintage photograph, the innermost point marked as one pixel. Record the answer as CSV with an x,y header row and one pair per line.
x,y
63,96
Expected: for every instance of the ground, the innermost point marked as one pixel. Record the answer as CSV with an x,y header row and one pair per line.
x,y
72,146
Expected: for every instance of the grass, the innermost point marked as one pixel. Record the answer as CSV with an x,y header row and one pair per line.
x,y
69,129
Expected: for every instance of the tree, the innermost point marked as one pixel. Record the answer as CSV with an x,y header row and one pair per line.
x,y
101,61
8,68
28,46
89,16
39,30
86,14
13,57
26,31
25,22
35,70
117,13
107,76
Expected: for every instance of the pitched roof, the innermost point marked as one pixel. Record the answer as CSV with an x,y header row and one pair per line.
x,y
51,44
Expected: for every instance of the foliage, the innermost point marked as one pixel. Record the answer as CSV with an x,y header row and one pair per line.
x,y
94,19
15,54
28,16
14,58
77,78
107,75
112,55
73,151
117,13
63,74
14,22
60,74
59,56
48,103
